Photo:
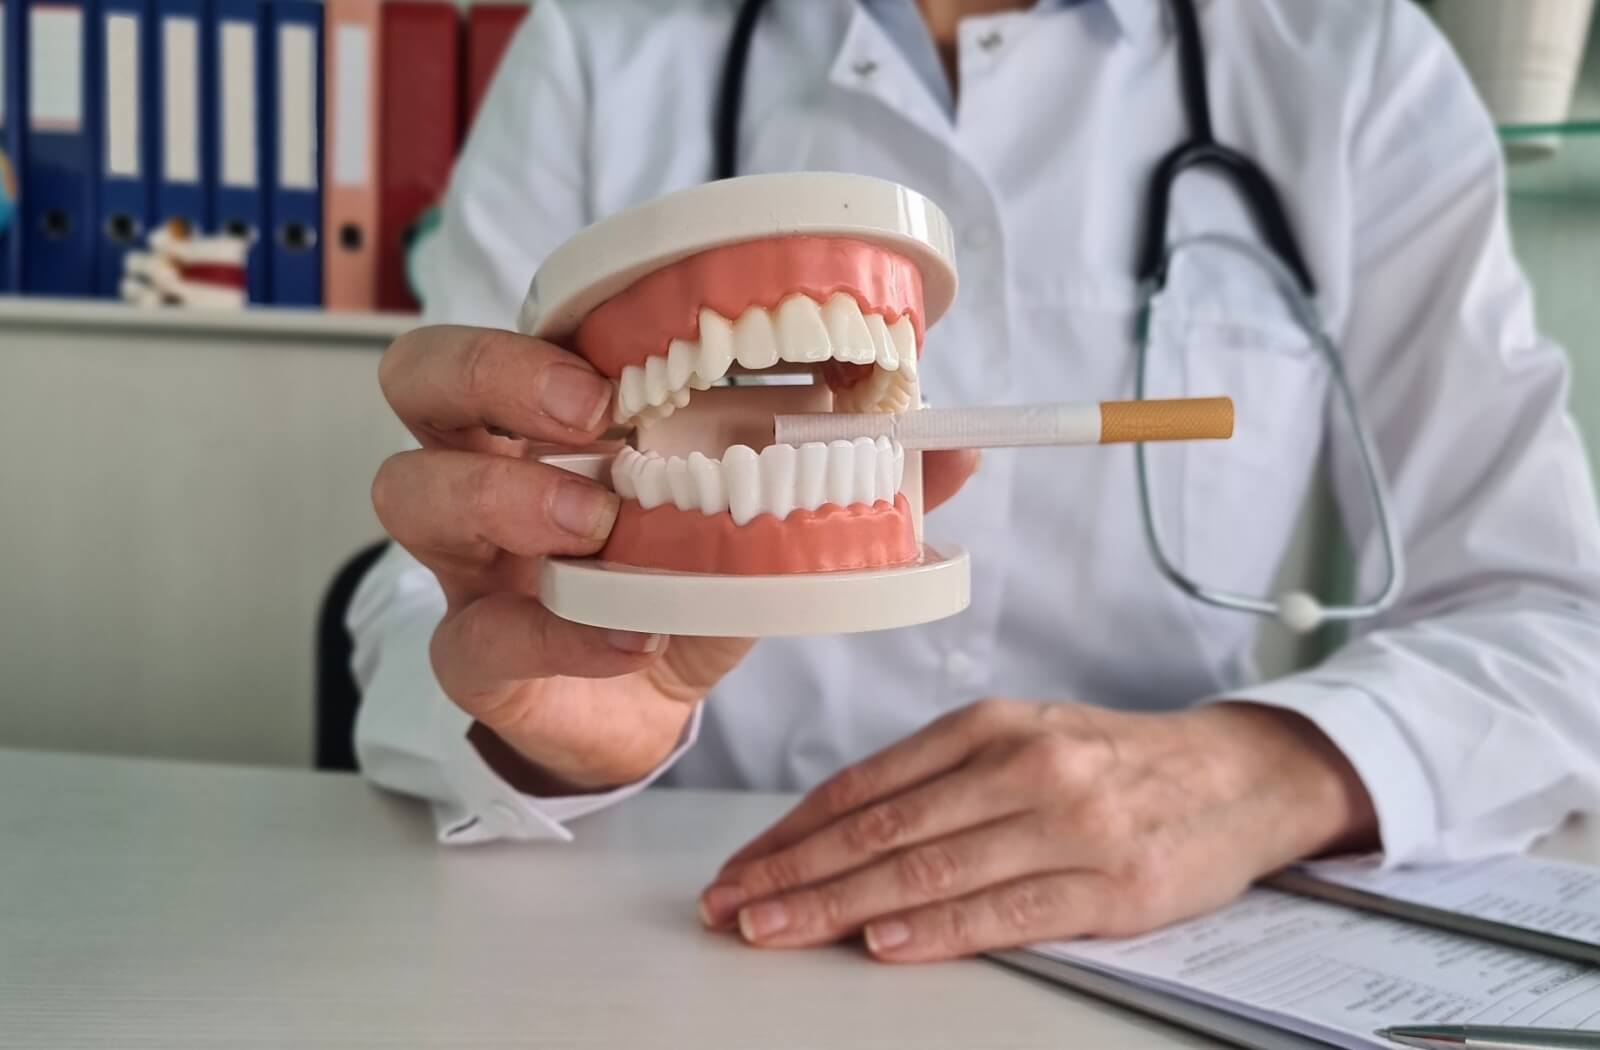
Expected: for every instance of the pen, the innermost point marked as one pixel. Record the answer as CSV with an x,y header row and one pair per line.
x,y
1002,426
1490,1037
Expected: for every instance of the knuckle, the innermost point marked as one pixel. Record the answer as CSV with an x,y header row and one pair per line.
x,y
1051,761
877,829
1023,908
929,871
486,489
779,872
987,714
480,359
958,928
844,791
831,906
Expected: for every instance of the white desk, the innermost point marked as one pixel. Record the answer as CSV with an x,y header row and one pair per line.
x,y
162,905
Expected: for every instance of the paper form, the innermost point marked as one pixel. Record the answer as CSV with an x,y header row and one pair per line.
x,y
1335,973
1549,896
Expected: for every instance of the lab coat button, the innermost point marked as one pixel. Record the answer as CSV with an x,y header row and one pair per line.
x,y
991,40
865,68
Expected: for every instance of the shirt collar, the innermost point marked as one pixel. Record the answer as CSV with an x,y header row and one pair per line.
x,y
1135,18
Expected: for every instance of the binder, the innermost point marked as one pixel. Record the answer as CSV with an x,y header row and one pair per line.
x,y
124,185
350,123
420,69
294,183
181,132
12,48
61,148
490,28
238,198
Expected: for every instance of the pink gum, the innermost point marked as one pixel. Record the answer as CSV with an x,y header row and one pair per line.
x,y
828,539
644,319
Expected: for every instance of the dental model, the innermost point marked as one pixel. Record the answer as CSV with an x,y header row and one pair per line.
x,y
723,310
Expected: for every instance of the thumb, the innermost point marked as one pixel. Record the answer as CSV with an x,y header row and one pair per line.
x,y
943,474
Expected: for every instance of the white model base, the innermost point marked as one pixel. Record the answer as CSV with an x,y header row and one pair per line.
x,y
656,602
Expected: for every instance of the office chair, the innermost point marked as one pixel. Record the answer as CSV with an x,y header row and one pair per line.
x,y
338,695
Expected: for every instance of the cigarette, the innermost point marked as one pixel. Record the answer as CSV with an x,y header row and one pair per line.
x,y
1013,426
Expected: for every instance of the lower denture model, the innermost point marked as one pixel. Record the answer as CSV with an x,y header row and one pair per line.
x,y
695,305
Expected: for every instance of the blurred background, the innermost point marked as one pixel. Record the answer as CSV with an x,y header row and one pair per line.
x,y
205,220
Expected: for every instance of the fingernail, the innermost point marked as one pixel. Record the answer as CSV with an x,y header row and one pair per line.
x,y
583,509
633,641
887,935
760,921
719,903
575,396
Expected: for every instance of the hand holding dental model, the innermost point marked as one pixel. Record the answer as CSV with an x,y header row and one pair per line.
x,y
711,513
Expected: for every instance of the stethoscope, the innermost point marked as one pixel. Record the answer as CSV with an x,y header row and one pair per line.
x,y
1282,261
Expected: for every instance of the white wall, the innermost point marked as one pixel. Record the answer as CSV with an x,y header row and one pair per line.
x,y
173,500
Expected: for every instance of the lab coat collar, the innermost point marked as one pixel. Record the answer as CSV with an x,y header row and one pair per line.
x,y
1137,19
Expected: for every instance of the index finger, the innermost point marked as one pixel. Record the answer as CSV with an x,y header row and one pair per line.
x,y
445,378
938,747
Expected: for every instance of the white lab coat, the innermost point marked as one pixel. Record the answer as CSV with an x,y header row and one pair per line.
x,y
1471,711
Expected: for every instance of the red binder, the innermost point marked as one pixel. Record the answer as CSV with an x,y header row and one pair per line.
x,y
489,30
419,120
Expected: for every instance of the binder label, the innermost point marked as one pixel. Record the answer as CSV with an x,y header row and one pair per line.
x,y
352,86
122,96
180,106
238,105
55,68
297,112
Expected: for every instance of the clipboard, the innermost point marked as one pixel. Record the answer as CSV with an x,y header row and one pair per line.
x,y
1197,1017
1571,949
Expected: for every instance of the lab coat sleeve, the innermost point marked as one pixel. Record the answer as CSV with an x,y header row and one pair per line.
x,y
518,190
1471,710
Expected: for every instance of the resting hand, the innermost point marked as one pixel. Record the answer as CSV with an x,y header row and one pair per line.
x,y
1010,822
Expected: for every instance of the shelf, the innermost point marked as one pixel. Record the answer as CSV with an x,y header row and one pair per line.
x,y
373,329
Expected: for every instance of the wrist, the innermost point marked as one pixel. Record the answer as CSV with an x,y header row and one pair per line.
x,y
550,757
1311,795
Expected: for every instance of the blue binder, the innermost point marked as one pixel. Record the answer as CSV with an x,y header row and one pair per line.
x,y
123,86
294,186
238,199
181,128
13,46
60,148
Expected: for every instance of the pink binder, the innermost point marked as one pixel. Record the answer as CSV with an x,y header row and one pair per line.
x,y
353,46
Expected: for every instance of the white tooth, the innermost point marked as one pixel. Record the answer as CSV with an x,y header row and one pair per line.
x,y
754,341
681,486
882,344
655,378
716,349
630,392
623,473
652,482
742,475
707,477
866,473
883,458
811,476
777,480
841,486
847,330
802,336
899,467
679,397
905,343
681,359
